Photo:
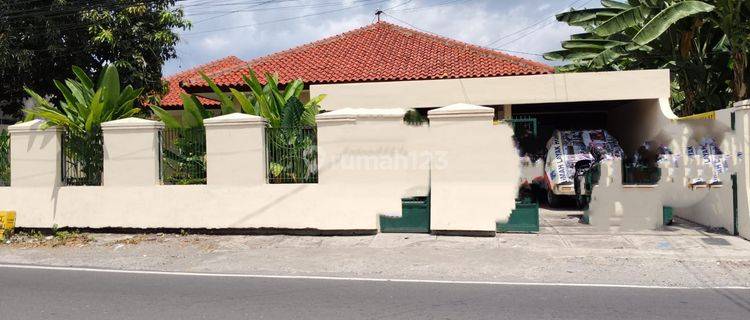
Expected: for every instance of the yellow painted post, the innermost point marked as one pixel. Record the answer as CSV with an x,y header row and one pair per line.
x,y
7,222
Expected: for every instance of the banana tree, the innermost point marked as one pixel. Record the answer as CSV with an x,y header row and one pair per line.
x,y
733,18
647,34
619,29
83,105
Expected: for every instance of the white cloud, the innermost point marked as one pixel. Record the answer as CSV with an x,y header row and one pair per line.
x,y
214,43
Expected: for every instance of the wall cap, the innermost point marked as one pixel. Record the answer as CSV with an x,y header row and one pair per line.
x,y
352,114
742,103
234,119
131,124
461,110
31,126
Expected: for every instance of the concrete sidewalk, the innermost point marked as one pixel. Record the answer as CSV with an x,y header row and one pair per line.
x,y
683,255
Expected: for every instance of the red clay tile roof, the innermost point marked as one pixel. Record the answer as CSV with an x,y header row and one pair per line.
x,y
378,52
172,99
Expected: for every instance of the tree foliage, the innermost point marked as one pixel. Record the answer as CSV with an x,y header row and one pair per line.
x,y
703,43
41,39
4,158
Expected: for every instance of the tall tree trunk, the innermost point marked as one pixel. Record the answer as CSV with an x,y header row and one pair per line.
x,y
739,88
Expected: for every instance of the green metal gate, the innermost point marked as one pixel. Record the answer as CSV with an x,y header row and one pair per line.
x,y
524,218
523,124
415,217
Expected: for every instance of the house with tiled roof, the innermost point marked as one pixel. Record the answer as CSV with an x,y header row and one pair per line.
x,y
383,65
379,52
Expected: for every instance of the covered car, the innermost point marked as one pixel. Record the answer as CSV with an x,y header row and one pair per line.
x,y
567,148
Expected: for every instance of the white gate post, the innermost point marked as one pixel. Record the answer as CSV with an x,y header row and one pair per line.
x,y
35,155
235,150
131,152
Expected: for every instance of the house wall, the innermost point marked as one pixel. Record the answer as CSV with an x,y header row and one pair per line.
x,y
548,88
368,160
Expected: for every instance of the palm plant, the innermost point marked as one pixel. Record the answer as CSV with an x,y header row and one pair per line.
x,y
290,138
269,101
291,135
184,148
82,107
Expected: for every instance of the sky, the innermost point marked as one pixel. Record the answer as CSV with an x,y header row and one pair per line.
x,y
253,28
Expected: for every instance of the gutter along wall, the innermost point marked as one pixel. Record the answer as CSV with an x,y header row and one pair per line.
x,y
368,160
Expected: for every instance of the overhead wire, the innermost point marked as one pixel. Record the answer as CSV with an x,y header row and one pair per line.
x,y
433,33
538,22
283,19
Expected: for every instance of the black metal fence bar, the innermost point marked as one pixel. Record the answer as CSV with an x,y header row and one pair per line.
x,y
4,159
83,158
183,156
292,155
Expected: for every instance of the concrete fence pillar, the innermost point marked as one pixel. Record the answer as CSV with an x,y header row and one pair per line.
x,y
235,150
35,155
131,152
742,135
475,169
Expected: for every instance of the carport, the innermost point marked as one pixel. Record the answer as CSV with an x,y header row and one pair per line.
x,y
631,105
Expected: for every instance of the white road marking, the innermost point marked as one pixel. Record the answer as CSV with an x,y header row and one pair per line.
x,y
265,276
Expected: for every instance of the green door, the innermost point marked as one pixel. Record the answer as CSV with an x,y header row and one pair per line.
x,y
735,211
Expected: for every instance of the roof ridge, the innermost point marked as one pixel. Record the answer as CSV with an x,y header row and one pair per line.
x,y
201,66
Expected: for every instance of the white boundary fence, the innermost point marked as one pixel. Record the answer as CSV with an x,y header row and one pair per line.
x,y
368,160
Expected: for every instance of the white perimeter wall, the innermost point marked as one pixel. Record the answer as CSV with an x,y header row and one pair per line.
x,y
368,160
629,207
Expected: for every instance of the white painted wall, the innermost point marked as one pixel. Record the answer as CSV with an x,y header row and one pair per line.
x,y
639,207
548,88
475,172
368,160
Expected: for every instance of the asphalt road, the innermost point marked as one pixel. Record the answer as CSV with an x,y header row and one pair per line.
x,y
64,294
